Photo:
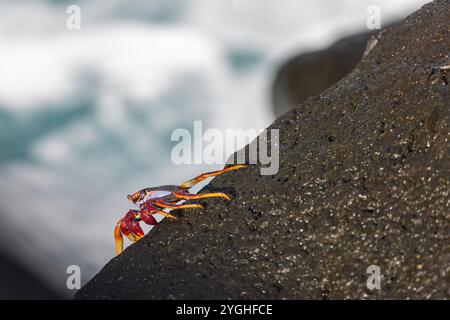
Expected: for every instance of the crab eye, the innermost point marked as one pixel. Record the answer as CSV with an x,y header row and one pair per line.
x,y
134,197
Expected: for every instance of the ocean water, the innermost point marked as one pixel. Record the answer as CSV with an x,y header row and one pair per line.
x,y
86,115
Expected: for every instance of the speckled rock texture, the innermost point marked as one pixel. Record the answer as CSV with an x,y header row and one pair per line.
x,y
364,180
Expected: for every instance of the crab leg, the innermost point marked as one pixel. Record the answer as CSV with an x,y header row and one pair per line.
x,y
165,214
178,206
188,184
151,213
134,237
118,239
190,196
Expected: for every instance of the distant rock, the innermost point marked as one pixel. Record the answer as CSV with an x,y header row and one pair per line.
x,y
364,181
309,74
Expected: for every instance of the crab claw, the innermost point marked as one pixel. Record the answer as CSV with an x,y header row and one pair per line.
x,y
146,215
136,231
129,227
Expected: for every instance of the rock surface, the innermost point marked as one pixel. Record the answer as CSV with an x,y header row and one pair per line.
x,y
364,180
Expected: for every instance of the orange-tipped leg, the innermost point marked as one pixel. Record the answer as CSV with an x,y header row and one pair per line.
x,y
178,206
118,239
188,184
167,215
190,196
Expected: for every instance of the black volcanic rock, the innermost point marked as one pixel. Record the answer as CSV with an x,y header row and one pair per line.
x,y
364,180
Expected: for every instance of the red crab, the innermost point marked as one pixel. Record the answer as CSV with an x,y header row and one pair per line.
x,y
156,199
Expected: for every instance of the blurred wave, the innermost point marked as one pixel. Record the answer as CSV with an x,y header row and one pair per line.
x,y
86,116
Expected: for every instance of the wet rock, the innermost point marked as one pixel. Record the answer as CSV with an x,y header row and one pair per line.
x,y
364,180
